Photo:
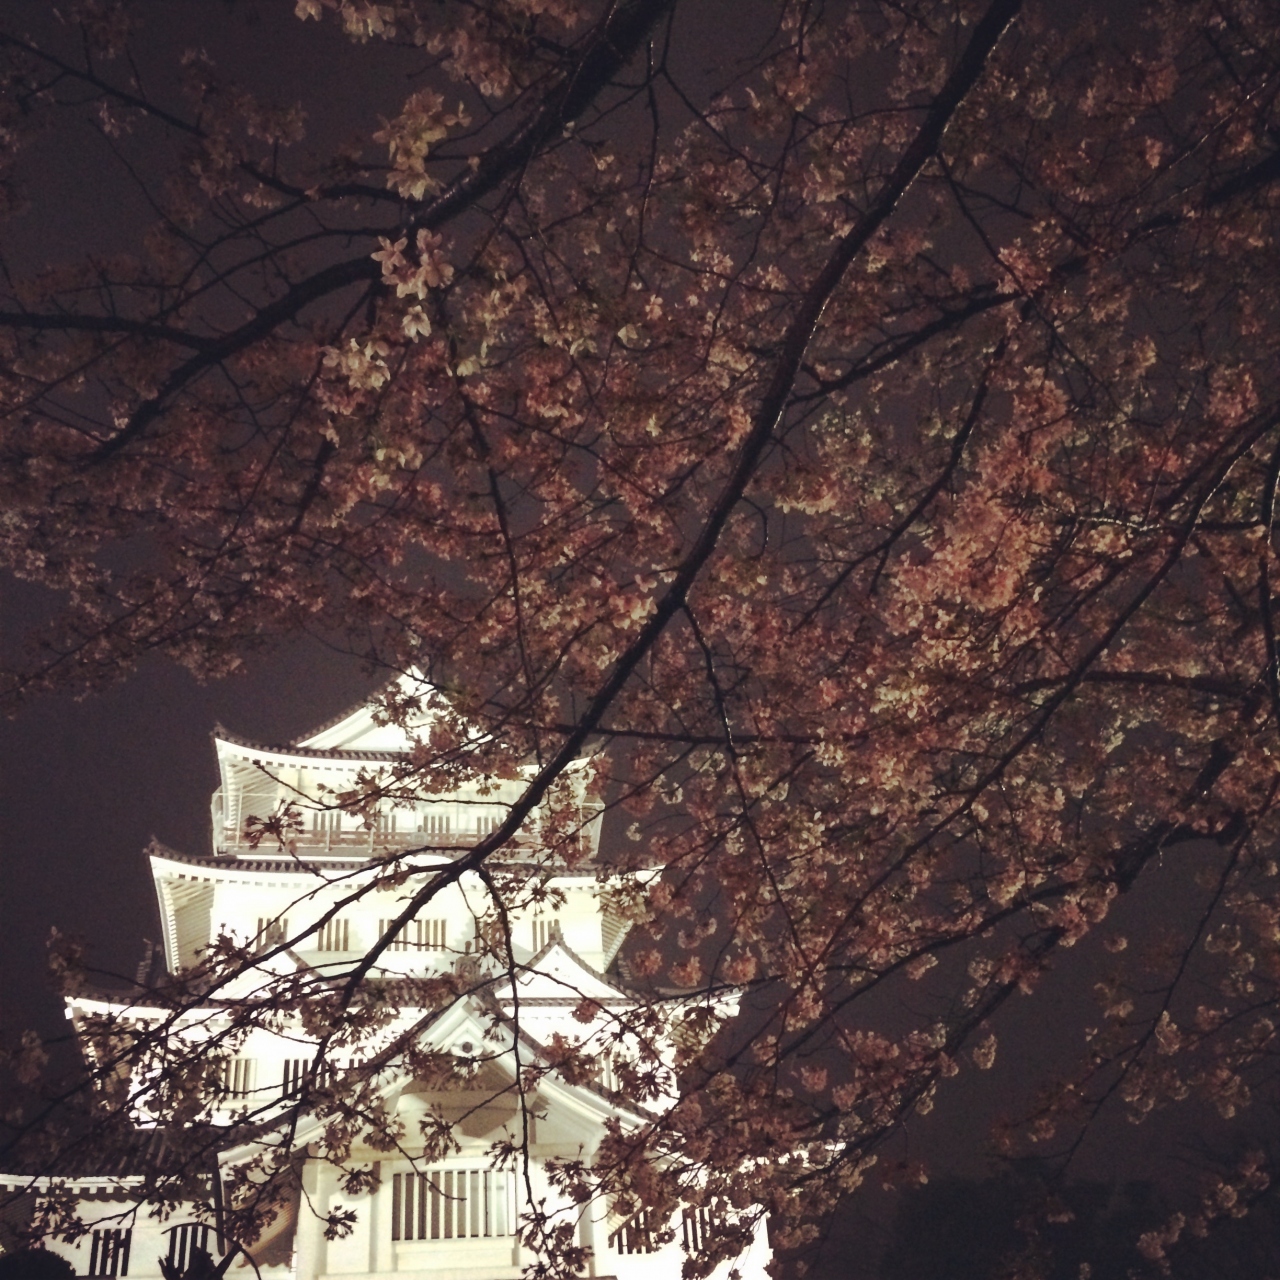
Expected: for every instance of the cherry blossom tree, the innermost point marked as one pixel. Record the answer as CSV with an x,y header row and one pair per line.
x,y
864,434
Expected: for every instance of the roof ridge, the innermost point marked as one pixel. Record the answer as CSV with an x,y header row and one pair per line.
x,y
222,734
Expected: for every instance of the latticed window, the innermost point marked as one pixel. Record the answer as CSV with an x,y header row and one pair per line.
x,y
544,929
184,1239
334,935
238,1076
296,1071
635,1235
272,931
436,823
695,1226
109,1252
417,935
452,1204
487,822
607,1076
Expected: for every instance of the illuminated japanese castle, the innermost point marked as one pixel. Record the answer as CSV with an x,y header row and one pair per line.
x,y
452,1218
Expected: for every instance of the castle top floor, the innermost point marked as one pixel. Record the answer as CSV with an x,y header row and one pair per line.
x,y
316,777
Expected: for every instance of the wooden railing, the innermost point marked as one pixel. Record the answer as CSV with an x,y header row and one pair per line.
x,y
452,1204
360,842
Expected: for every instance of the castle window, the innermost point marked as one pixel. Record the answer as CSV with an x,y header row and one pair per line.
x,y
295,1073
271,931
429,935
696,1225
334,935
607,1076
451,1204
184,1239
635,1235
109,1254
544,929
417,935
294,1077
238,1077
435,823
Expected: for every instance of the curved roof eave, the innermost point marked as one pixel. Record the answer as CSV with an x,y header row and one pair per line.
x,y
159,854
285,752
222,736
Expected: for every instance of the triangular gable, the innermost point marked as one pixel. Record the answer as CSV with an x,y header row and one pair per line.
x,y
463,1022
357,731
558,974
468,1023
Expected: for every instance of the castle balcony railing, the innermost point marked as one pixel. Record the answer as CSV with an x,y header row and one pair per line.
x,y
353,843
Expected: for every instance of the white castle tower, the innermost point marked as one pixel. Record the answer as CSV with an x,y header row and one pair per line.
x,y
428,1212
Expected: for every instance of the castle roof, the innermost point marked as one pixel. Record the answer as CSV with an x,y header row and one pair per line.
x,y
557,976
233,864
357,733
292,749
158,850
97,1170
